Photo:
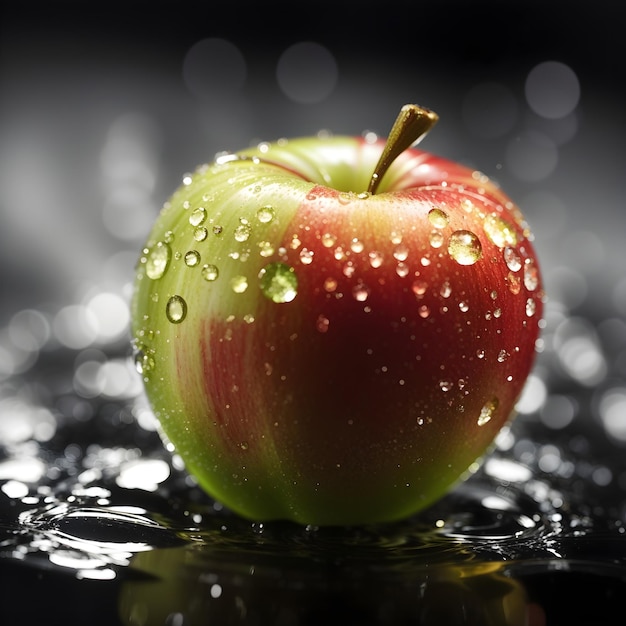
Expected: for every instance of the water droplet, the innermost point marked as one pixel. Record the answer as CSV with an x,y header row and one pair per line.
x,y
187,179
248,318
200,234
376,258
467,205
402,269
265,214
168,237
217,230
531,275
339,253
464,247
278,282
239,284
192,258
328,240
330,284
515,283
512,259
446,290
322,323
396,237
356,245
480,354
445,385
436,239
438,218
360,292
242,232
463,306
158,260
144,360
503,355
266,249
487,412
499,231
176,309
419,287
295,242
349,269
345,197
210,272
198,216
423,311
531,307
306,256
401,253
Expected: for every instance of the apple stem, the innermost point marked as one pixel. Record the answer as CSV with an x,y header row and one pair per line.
x,y
411,126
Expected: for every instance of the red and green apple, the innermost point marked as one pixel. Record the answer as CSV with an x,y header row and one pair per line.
x,y
332,330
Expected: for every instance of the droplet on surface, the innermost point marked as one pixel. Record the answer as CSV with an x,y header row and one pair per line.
x,y
531,275
499,231
376,258
438,218
531,307
198,216
306,256
278,282
512,259
210,272
265,214
200,234
464,247
158,260
487,412
242,232
436,239
239,284
360,292
176,309
322,323
328,240
192,258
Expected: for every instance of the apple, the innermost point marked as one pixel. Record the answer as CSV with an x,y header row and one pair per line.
x,y
332,330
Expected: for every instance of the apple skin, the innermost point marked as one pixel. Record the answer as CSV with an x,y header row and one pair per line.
x,y
319,354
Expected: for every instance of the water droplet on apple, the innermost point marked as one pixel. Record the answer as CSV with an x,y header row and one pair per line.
x,y
265,214
198,216
480,354
464,247
168,237
200,234
266,249
487,412
436,239
210,272
376,258
322,323
348,269
512,259
239,284
499,231
438,218
330,284
356,245
360,292
278,282
242,232
144,359
306,256
531,307
396,237
402,269
423,311
158,260
503,355
446,290
531,275
419,287
192,258
401,253
328,240
217,230
445,385
463,306
176,309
